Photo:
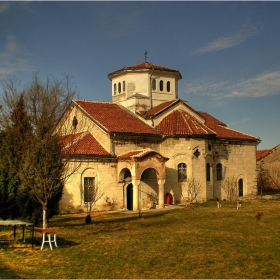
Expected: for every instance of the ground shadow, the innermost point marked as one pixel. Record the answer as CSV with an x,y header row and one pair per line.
x,y
119,217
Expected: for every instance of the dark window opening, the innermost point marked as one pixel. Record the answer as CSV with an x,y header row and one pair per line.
x,y
208,173
197,153
154,84
168,86
161,85
219,170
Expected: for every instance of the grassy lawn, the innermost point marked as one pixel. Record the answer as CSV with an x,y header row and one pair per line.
x,y
198,242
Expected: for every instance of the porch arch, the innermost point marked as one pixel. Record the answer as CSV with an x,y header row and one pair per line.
x,y
145,165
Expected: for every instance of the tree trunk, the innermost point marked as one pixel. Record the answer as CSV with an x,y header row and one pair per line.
x,y
45,222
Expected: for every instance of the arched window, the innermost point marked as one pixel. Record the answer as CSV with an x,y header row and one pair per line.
x,y
208,173
123,85
119,87
168,86
154,84
161,85
89,184
182,172
115,88
219,170
240,187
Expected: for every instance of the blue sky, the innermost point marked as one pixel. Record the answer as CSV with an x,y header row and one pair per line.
x,y
227,52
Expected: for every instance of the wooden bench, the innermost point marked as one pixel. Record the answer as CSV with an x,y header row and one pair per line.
x,y
49,232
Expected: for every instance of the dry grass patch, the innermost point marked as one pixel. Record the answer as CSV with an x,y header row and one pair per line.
x,y
202,242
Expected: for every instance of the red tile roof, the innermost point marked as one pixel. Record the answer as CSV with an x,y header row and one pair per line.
x,y
158,109
82,144
143,66
263,153
67,139
181,122
115,119
222,131
138,154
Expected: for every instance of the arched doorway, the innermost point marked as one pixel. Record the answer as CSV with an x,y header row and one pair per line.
x,y
240,187
129,197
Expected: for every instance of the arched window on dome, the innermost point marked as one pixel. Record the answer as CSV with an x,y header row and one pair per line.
x,y
154,84
115,89
168,86
161,85
119,87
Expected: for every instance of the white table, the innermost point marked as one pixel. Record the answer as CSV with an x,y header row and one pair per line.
x,y
14,224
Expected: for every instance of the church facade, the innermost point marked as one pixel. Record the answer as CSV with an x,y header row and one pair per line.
x,y
148,148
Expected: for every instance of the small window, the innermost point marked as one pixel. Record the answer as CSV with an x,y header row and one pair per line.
x,y
115,88
240,187
208,173
123,85
89,183
219,169
182,172
119,87
161,85
154,84
168,86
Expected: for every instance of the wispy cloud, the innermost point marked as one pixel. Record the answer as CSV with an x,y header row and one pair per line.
x,y
262,85
13,58
228,41
244,120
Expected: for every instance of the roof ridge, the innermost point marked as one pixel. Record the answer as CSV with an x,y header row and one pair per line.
x,y
91,101
137,150
271,149
79,137
182,112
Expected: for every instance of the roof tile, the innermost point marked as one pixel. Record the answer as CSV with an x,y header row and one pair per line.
x,y
181,122
222,131
83,144
263,153
143,66
115,119
138,154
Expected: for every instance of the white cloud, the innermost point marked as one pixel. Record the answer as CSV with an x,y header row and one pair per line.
x,y
13,58
263,85
225,42
244,120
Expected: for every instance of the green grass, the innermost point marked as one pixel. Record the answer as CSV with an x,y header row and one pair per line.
x,y
198,242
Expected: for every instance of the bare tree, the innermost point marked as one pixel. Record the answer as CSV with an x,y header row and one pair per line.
x,y
230,186
45,167
91,192
273,172
194,187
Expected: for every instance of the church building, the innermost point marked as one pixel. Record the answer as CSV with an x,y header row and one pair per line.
x,y
148,148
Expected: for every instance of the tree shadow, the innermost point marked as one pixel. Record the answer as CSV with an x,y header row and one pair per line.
x,y
113,217
7,273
